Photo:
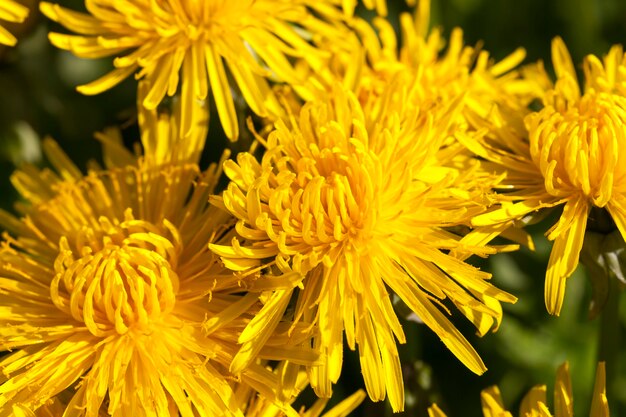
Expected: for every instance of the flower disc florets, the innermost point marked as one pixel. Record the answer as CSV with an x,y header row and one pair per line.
x,y
123,280
576,145
317,194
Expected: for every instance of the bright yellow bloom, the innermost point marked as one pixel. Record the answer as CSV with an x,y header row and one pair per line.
x,y
419,57
441,75
108,288
535,403
570,154
199,45
11,11
360,200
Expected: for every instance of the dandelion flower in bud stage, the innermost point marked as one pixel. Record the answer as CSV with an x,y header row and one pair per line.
x,y
535,403
11,11
199,45
108,288
358,200
570,153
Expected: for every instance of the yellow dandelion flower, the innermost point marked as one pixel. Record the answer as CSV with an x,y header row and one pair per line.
x,y
567,154
535,404
356,199
418,55
445,74
199,45
11,11
108,288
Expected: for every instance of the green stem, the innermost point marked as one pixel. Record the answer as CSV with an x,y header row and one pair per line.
x,y
610,334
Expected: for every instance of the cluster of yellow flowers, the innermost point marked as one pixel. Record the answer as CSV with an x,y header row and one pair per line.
x,y
139,288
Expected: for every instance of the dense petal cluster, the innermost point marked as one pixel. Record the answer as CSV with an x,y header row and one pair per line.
x,y
199,45
535,404
361,200
11,11
384,156
108,289
441,75
377,55
569,153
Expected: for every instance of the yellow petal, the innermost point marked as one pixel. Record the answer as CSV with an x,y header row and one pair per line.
x,y
6,38
513,211
13,11
230,313
599,403
159,80
61,162
106,82
345,407
532,400
259,330
563,400
221,93
491,402
565,253
74,21
435,411
371,362
561,59
193,111
617,209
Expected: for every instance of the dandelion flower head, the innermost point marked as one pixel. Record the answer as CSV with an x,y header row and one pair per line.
x,y
438,69
199,45
357,199
108,288
569,154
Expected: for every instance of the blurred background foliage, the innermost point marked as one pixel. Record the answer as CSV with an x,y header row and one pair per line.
x,y
38,99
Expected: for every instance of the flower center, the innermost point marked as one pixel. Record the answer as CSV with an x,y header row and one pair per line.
x,y
208,20
118,277
333,201
577,148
